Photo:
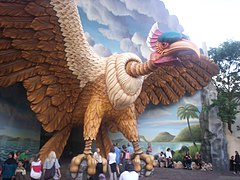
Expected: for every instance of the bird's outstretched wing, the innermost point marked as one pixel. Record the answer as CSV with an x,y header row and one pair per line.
x,y
43,46
172,81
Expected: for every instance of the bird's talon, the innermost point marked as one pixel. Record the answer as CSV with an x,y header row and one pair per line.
x,y
148,159
77,160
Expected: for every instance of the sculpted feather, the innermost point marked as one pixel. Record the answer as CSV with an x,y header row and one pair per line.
x,y
68,85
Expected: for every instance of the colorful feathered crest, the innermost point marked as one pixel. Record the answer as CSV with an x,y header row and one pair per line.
x,y
152,38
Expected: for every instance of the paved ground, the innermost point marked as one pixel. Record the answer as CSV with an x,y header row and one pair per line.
x,y
183,174
174,174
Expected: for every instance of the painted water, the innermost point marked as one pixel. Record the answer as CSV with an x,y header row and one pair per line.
x,y
8,146
162,146
157,147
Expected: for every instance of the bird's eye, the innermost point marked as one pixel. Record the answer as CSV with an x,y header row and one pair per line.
x,y
164,44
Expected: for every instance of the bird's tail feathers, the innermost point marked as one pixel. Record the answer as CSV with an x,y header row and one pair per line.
x,y
56,143
103,141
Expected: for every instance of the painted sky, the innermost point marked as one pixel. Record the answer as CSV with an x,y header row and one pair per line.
x,y
122,26
210,21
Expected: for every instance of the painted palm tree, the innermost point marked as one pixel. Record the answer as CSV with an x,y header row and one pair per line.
x,y
186,112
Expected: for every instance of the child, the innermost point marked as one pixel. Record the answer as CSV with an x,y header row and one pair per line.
x,y
20,171
232,164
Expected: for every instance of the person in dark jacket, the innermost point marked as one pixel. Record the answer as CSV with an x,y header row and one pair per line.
x,y
237,161
232,164
9,167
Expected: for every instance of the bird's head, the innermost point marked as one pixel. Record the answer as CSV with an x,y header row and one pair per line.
x,y
170,46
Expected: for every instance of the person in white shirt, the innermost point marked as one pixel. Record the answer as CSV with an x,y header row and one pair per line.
x,y
36,168
129,173
169,162
98,157
112,164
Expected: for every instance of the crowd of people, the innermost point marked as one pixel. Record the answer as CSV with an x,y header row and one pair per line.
x,y
119,164
166,160
20,166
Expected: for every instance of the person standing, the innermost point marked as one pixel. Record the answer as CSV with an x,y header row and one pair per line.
x,y
36,168
125,156
149,149
112,164
237,161
24,157
9,167
130,149
99,167
50,162
169,162
20,172
118,157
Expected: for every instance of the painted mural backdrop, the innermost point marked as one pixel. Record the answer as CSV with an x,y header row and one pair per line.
x,y
123,26
110,26
19,128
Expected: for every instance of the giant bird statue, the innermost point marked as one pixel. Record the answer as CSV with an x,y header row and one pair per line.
x,y
67,84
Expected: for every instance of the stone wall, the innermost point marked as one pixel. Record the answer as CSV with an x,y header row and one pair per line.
x,y
214,143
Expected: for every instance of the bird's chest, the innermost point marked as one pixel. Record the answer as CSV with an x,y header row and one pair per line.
x,y
121,88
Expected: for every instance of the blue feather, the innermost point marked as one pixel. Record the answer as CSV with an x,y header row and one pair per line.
x,y
171,37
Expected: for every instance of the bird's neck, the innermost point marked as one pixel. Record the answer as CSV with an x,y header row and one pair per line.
x,y
136,69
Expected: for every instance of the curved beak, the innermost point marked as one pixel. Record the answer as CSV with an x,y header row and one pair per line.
x,y
181,49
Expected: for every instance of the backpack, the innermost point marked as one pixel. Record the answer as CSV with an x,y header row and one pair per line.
x,y
49,173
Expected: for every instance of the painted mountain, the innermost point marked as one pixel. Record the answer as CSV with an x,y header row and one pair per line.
x,y
163,137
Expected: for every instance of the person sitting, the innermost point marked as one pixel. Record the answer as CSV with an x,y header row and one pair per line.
x,y
198,160
20,172
187,161
169,160
161,159
129,173
9,167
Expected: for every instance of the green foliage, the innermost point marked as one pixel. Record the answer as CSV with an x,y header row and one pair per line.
x,y
188,111
227,108
178,156
227,56
184,134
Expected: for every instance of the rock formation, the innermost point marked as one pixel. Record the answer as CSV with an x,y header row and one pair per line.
x,y
214,142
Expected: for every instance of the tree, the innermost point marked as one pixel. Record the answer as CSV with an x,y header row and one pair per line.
x,y
186,112
227,56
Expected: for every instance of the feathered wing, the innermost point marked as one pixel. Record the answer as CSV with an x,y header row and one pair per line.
x,y
43,46
171,82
